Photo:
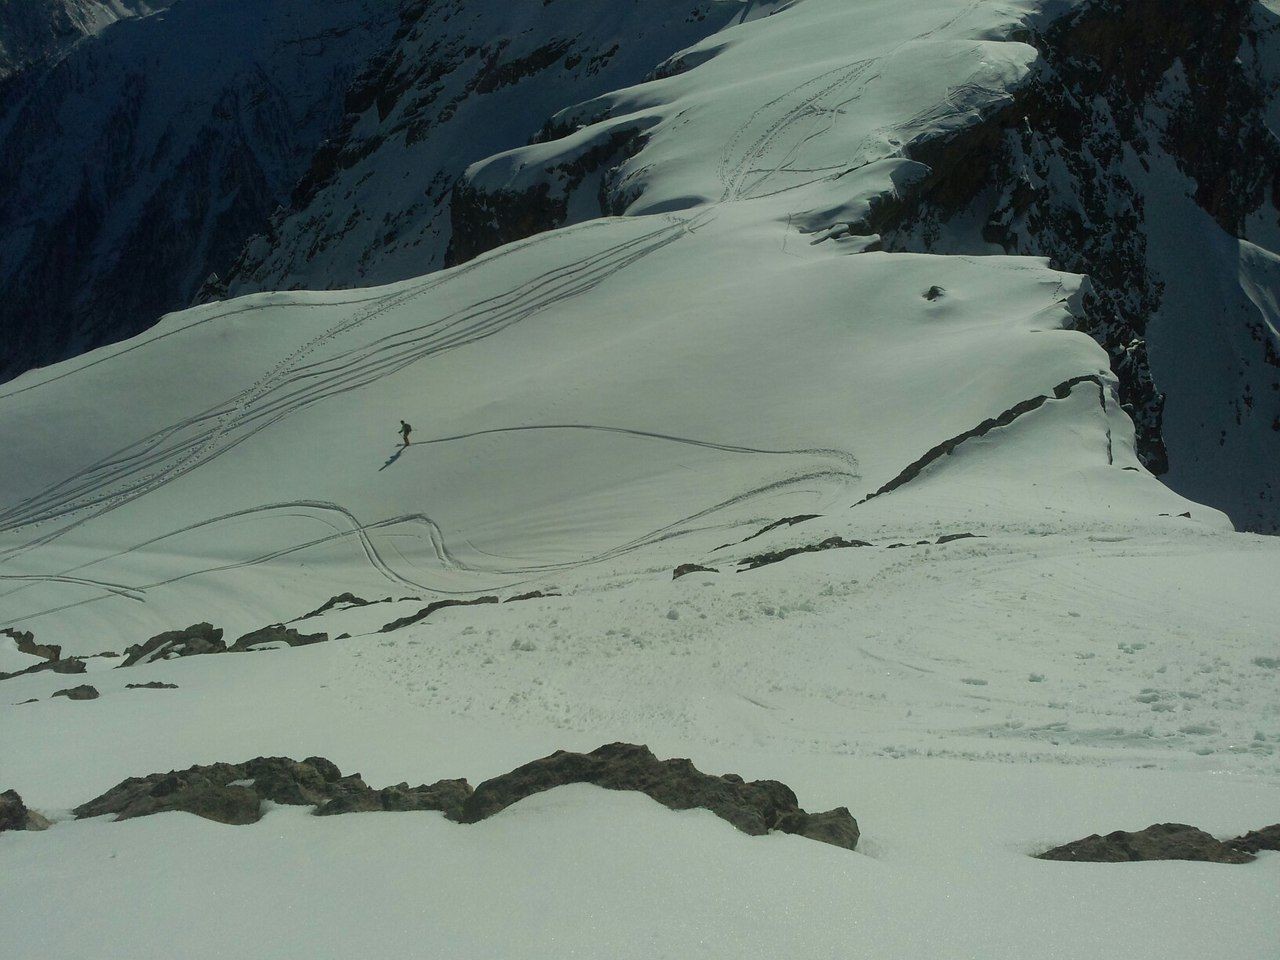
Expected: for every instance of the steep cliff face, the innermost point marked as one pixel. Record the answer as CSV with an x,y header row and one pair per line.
x,y
139,163
1143,154
460,81
32,31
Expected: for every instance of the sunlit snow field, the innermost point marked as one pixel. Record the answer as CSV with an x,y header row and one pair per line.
x,y
592,408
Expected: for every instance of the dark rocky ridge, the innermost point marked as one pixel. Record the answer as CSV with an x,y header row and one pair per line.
x,y
754,807
233,793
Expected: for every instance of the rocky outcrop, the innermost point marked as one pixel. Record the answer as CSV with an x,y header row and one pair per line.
x,y
777,556
344,600
687,568
1160,841
755,807
1003,419
15,815
233,793
274,636
1268,838
444,796
195,640
531,595
153,685
483,219
83,692
69,665
430,609
25,641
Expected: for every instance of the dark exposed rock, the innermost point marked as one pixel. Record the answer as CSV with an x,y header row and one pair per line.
x,y
948,446
199,638
83,692
1160,841
831,543
784,522
15,815
430,609
1268,838
233,792
687,568
350,599
754,807
443,796
26,643
483,220
953,537
153,685
274,634
69,665
531,595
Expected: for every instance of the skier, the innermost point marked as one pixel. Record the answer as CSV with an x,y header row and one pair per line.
x,y
405,430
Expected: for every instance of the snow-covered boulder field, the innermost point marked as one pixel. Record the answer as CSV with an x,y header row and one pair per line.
x,y
699,460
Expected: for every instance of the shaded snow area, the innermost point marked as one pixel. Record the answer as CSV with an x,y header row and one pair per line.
x,y
931,581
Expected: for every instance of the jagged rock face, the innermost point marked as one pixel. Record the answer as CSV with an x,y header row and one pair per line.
x,y
462,80
1137,155
1160,841
140,162
33,31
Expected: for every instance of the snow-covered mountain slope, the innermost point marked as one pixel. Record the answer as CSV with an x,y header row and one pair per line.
x,y
141,161
32,31
1142,157
461,80
934,581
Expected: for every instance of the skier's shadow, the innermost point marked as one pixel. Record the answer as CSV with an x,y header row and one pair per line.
x,y
393,458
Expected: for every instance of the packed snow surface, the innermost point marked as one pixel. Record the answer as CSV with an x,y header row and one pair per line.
x,y
591,408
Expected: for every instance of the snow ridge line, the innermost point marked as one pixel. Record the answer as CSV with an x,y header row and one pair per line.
x,y
947,447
